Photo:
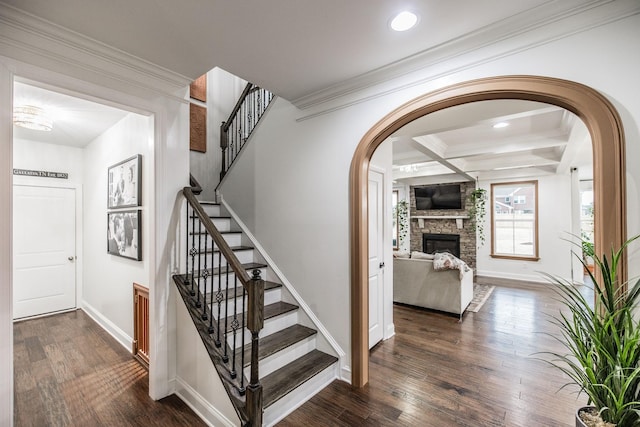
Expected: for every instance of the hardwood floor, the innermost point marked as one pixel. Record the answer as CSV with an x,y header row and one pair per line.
x,y
70,372
438,372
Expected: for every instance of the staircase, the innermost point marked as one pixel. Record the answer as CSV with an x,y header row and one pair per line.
x,y
266,358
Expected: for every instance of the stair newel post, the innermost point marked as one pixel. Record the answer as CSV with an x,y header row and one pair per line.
x,y
255,322
224,143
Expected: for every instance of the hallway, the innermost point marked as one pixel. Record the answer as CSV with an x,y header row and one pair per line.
x,y
70,372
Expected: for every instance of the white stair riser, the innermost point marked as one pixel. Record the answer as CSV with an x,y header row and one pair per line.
x,y
212,210
283,357
217,280
205,242
221,224
271,326
288,403
271,296
243,257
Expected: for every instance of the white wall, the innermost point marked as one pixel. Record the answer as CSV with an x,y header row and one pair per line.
x,y
6,253
554,225
223,91
299,204
35,155
198,383
108,279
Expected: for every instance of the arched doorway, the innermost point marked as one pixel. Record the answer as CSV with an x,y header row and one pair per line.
x,y
600,117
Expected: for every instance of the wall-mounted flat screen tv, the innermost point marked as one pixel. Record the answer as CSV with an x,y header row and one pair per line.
x,y
438,197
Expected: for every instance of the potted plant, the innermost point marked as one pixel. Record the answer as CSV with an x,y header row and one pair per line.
x,y
477,212
602,343
401,215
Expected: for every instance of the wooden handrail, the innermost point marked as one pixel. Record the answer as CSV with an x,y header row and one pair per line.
x,y
223,247
243,95
195,185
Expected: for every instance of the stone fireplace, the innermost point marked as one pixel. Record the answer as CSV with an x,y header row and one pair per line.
x,y
432,243
445,222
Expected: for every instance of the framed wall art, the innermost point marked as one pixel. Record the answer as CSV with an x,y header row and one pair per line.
x,y
124,235
125,183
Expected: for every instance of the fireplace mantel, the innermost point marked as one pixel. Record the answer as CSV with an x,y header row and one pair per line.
x,y
459,219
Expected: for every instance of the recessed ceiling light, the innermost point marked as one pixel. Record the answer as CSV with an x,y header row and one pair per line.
x,y
404,21
500,125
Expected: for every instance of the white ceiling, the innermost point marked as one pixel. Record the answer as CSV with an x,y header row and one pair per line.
x,y
297,48
76,122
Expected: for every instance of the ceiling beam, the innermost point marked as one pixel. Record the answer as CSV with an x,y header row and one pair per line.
x,y
422,144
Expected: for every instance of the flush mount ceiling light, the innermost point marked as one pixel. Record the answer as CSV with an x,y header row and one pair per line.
x,y
404,21
500,125
32,117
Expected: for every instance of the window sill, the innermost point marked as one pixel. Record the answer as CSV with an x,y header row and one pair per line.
x,y
516,257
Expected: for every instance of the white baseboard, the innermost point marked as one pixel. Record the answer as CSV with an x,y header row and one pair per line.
x,y
523,277
345,374
207,412
125,340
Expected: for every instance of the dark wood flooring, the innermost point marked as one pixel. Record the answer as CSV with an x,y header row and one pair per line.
x,y
438,372
70,372
434,372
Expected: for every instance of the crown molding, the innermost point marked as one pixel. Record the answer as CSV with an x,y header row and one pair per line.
x,y
32,40
548,22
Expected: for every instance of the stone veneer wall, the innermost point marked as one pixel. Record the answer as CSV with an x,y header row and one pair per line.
x,y
445,226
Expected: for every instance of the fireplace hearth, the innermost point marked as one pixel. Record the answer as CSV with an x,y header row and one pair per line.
x,y
432,243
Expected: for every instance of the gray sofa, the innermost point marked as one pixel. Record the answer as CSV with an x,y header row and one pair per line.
x,y
415,282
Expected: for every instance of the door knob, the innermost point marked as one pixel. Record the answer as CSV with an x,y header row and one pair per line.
x,y
71,258
382,265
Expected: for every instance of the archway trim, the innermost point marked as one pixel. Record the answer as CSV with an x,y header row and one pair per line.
x,y
598,114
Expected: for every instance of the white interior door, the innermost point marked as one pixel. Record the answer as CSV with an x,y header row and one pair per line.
x,y
376,257
44,236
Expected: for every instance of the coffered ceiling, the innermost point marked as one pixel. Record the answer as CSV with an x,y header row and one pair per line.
x,y
461,143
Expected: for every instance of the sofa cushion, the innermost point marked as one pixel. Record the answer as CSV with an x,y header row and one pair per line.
x,y
420,255
401,254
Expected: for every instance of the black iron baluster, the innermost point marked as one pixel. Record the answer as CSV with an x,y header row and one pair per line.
x,y
205,275
193,252
242,342
225,356
199,260
219,297
235,325
186,247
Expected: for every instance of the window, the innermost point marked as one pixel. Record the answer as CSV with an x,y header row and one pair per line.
x,y
514,231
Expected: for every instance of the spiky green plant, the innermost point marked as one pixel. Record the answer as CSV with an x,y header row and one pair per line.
x,y
602,341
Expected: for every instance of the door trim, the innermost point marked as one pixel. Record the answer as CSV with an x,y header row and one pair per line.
x,y
597,112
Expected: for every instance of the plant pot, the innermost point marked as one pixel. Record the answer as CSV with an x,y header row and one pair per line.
x,y
579,422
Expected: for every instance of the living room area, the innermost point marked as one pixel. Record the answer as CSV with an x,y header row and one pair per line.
x,y
505,186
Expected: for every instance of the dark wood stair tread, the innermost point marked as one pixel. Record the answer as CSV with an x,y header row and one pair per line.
x,y
237,291
271,310
233,248
286,379
210,203
192,233
217,271
277,341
